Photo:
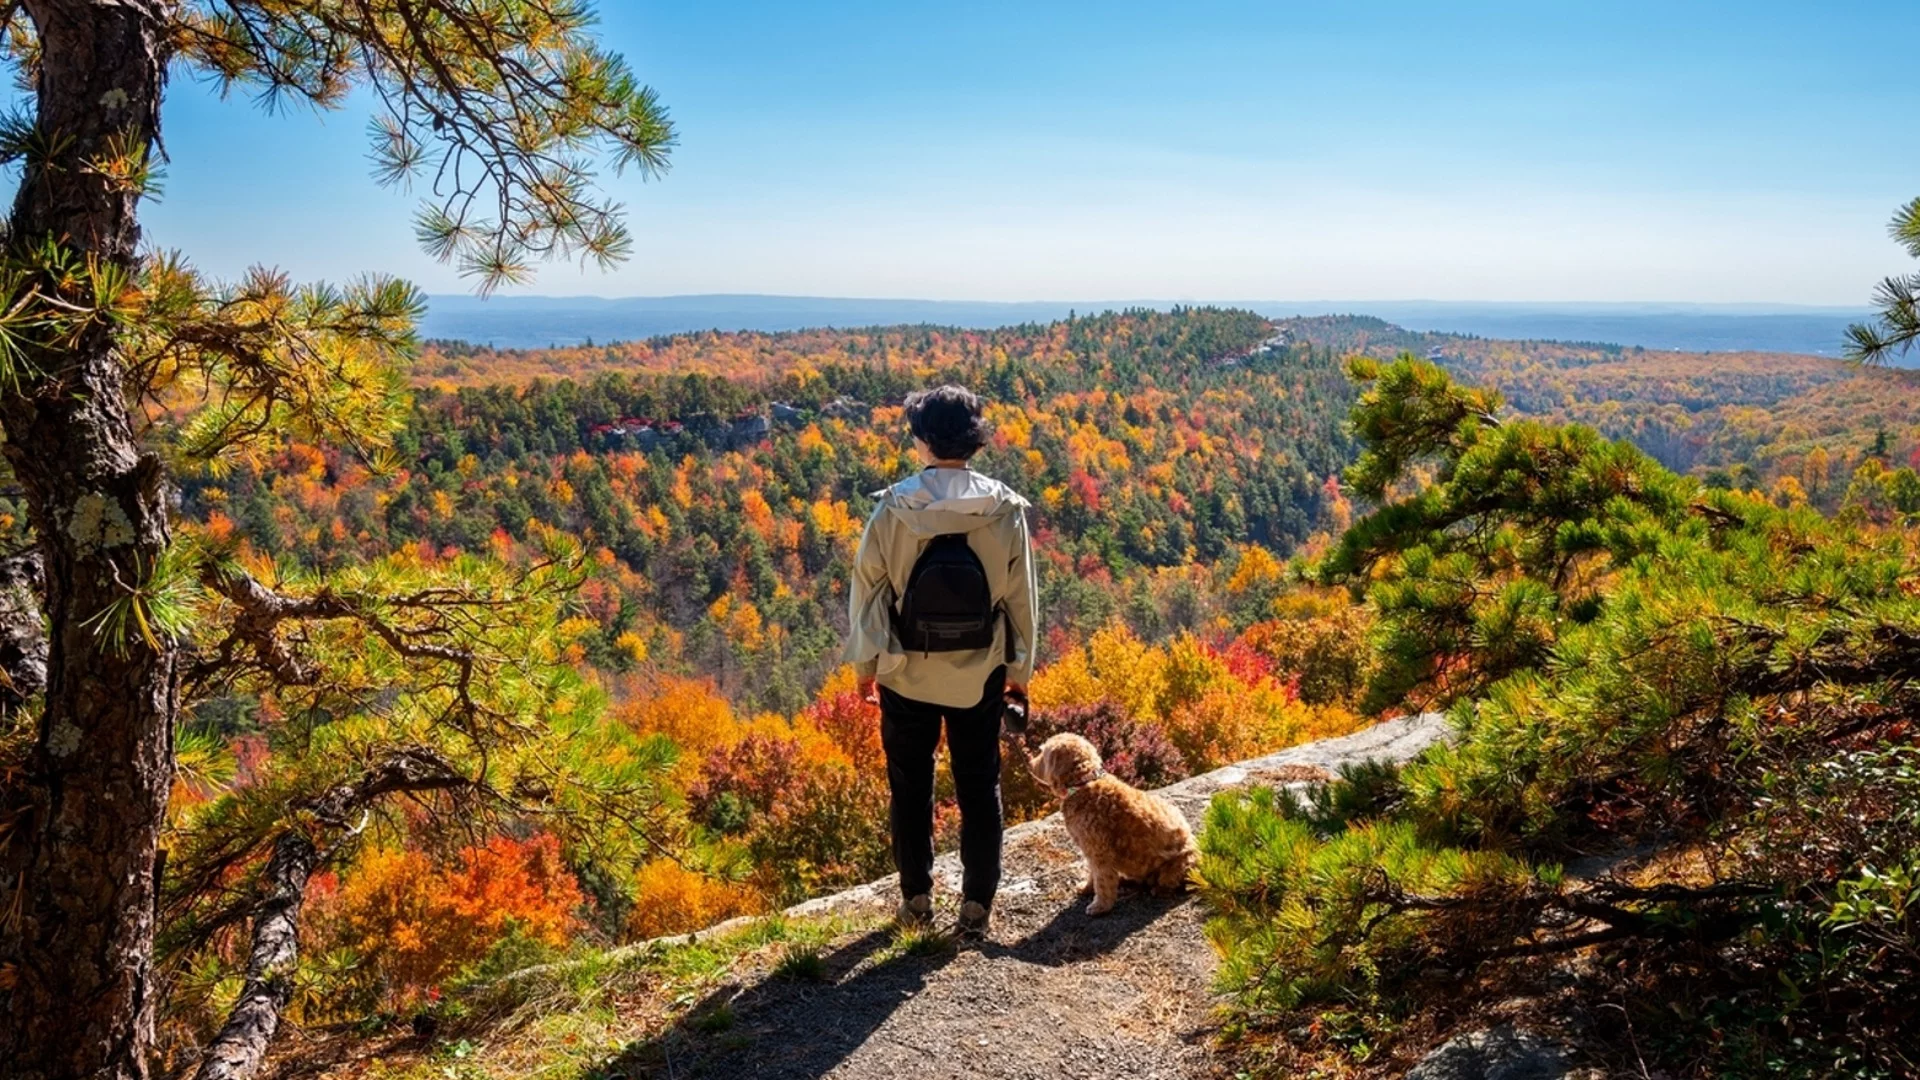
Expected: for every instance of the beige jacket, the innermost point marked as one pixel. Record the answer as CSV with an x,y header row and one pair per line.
x,y
910,514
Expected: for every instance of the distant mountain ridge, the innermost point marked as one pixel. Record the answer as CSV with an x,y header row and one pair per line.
x,y
542,321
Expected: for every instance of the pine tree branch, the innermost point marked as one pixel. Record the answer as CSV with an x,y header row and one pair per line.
x,y
261,612
1838,657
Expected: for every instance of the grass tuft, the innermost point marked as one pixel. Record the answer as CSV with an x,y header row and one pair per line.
x,y
918,941
715,1020
801,963
922,941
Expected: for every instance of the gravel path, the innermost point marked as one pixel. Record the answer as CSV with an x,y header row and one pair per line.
x,y
1055,994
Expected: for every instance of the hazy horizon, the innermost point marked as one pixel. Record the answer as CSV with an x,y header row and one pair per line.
x,y
539,320
1701,306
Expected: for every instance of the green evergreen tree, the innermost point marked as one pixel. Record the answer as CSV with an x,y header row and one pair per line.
x,y
1632,662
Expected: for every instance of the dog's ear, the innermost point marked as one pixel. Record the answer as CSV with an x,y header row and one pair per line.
x,y
1079,763
1090,758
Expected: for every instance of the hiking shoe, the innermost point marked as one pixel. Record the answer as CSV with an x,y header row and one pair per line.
x,y
915,911
976,919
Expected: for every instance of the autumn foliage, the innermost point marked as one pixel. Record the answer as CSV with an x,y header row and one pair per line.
x,y
721,484
715,488
670,898
802,796
1216,703
411,924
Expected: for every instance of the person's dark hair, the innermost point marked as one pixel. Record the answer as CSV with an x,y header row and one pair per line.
x,y
949,419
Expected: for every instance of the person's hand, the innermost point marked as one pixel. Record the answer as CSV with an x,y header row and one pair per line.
x,y
869,689
1016,687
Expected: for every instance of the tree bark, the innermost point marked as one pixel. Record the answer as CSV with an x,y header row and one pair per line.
x,y
78,876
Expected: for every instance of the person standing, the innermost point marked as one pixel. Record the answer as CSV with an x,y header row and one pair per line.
x,y
942,609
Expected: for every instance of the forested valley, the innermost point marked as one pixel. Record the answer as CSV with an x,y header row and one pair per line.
x,y
1797,428
671,523
678,543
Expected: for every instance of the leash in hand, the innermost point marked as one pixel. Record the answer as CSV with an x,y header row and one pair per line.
x,y
1013,718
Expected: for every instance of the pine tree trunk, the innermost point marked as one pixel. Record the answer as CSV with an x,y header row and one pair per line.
x,y
78,875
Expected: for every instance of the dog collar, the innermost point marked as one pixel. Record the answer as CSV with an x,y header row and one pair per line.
x,y
1071,788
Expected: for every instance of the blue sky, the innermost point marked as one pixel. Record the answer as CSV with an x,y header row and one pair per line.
x,y
1706,152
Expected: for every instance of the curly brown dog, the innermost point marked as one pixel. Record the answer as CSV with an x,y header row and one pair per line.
x,y
1125,833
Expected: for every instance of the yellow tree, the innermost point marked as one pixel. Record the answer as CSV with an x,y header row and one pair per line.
x,y
118,369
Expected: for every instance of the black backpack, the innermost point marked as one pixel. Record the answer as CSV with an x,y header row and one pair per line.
x,y
947,606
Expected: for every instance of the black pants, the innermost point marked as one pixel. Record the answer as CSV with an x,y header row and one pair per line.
x,y
910,732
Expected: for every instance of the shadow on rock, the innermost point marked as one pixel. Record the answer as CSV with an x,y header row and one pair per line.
x,y
783,1026
1072,935
786,1029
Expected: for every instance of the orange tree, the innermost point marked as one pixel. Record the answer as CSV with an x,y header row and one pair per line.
x,y
119,371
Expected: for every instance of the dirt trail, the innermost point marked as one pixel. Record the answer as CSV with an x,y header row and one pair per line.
x,y
1055,994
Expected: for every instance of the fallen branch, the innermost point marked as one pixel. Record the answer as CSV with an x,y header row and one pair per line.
x,y
1599,902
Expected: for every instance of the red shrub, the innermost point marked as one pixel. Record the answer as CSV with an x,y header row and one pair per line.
x,y
1137,751
754,772
853,725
